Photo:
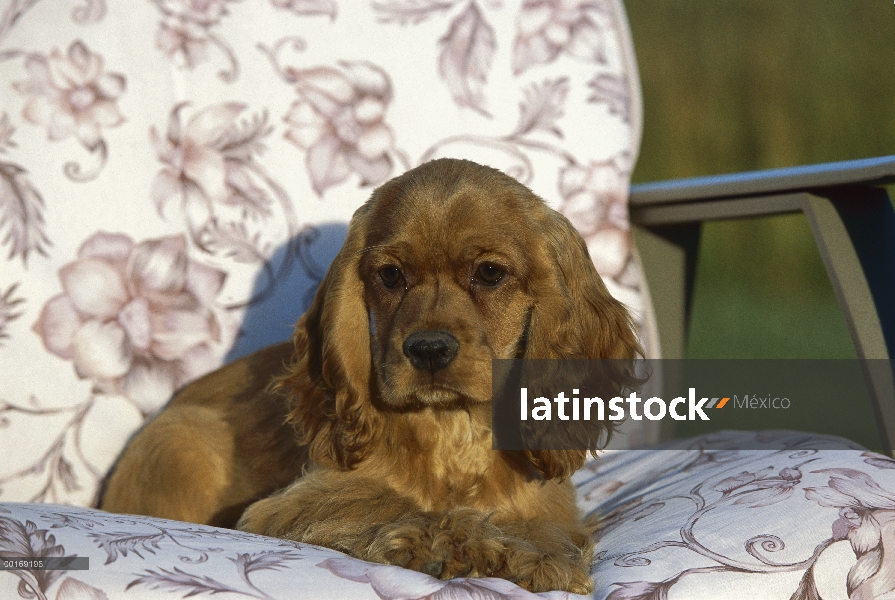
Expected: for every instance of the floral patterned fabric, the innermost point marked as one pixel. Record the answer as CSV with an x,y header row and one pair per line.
x,y
682,521
176,176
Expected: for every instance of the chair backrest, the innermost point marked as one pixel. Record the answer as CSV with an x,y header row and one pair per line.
x,y
175,177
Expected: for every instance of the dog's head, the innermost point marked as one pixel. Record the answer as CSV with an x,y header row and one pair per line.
x,y
445,268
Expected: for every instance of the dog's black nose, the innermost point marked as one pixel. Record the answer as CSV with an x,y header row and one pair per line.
x,y
431,350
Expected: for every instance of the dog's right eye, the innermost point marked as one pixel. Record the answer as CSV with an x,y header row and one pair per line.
x,y
489,274
391,276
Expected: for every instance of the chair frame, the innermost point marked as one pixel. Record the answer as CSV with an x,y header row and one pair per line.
x,y
853,224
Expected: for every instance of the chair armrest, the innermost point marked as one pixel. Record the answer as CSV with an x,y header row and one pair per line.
x,y
870,171
853,224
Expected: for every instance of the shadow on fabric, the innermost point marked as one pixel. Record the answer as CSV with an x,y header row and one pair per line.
x,y
285,287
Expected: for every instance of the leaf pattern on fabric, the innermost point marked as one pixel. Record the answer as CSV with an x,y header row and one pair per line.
x,y
671,517
543,106
9,310
177,580
26,540
13,12
878,461
200,198
467,51
21,214
613,91
21,205
118,544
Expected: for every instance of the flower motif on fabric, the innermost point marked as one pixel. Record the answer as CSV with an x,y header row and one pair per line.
x,y
207,164
595,199
547,28
867,521
753,489
339,120
71,94
185,37
232,208
137,319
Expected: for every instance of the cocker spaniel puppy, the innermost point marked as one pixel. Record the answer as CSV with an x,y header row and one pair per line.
x,y
375,437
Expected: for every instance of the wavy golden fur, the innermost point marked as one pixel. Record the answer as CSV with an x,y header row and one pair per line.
x,y
388,393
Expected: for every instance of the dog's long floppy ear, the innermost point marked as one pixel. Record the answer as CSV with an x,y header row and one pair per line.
x,y
329,380
575,317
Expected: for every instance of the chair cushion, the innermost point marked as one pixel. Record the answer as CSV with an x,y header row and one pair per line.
x,y
808,517
175,178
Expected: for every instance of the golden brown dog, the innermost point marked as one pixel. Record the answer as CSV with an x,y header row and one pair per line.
x,y
378,429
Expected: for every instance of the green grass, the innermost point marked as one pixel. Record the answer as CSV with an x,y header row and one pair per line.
x,y
762,292
737,85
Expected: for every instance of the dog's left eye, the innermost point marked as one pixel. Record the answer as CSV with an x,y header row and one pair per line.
x,y
391,276
489,274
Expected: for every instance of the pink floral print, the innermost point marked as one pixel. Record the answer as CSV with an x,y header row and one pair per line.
x,y
467,51
201,173
71,94
183,42
184,34
339,119
595,199
210,179
547,28
136,319
678,522
207,163
867,521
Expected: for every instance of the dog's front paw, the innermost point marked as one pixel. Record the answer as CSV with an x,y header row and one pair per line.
x,y
460,543
537,571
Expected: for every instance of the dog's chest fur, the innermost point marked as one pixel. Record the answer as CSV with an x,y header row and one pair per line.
x,y
442,459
